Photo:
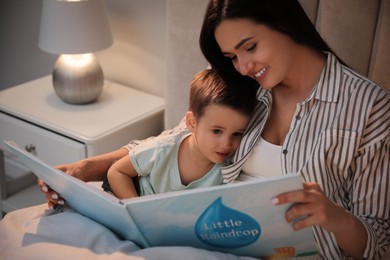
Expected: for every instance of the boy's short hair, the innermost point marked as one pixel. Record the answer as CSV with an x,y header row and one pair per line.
x,y
209,87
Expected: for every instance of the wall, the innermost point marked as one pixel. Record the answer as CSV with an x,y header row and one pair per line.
x,y
183,55
21,60
137,57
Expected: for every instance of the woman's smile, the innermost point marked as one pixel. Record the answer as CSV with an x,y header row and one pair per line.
x,y
261,72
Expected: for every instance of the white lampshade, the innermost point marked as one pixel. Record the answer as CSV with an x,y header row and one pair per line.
x,y
74,27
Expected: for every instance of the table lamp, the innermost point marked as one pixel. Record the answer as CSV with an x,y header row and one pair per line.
x,y
75,29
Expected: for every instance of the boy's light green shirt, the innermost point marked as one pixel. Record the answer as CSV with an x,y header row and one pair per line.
x,y
156,162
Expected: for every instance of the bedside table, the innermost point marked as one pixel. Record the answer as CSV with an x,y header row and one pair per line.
x,y
34,117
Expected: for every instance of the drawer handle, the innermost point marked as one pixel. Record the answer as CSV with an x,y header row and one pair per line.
x,y
30,148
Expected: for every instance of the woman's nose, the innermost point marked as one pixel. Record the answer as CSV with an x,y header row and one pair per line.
x,y
245,66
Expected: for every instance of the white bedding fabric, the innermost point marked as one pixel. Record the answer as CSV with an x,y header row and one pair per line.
x,y
38,233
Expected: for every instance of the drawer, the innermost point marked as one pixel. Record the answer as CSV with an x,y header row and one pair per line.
x,y
51,147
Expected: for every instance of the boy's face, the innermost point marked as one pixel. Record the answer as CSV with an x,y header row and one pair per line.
x,y
218,132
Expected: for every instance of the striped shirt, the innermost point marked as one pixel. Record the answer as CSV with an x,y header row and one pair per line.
x,y
340,138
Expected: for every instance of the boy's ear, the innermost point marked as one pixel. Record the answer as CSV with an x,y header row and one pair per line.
x,y
190,121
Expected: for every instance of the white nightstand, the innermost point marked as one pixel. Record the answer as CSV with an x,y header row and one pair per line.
x,y
33,116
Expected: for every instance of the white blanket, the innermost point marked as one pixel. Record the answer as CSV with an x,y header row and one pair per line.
x,y
38,233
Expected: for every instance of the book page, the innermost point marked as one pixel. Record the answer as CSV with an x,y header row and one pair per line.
x,y
234,218
86,199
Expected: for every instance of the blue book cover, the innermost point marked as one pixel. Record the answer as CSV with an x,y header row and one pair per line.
x,y
234,218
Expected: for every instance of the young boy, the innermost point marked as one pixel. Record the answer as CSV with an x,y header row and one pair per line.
x,y
217,118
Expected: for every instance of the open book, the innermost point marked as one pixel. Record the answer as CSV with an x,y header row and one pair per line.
x,y
233,218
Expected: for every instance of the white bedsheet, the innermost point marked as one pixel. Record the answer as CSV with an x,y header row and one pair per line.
x,y
38,233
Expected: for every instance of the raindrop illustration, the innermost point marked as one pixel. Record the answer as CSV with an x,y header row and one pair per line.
x,y
224,227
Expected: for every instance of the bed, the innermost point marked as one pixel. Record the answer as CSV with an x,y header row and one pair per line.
x,y
38,233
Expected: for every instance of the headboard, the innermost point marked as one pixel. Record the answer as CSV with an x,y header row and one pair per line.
x,y
357,30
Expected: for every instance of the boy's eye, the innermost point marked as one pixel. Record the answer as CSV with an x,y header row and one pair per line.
x,y
238,134
217,131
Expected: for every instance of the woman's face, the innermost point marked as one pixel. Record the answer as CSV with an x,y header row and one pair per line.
x,y
257,51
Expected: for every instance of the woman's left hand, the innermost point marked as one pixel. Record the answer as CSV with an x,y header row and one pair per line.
x,y
313,208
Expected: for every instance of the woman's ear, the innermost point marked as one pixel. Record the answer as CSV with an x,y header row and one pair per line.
x,y
190,121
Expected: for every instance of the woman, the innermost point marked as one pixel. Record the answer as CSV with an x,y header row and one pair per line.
x,y
319,118
329,124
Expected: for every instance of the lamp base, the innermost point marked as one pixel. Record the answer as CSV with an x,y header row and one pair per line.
x,y
78,79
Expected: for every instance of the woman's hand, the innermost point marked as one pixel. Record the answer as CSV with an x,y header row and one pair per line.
x,y
52,197
88,169
313,207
